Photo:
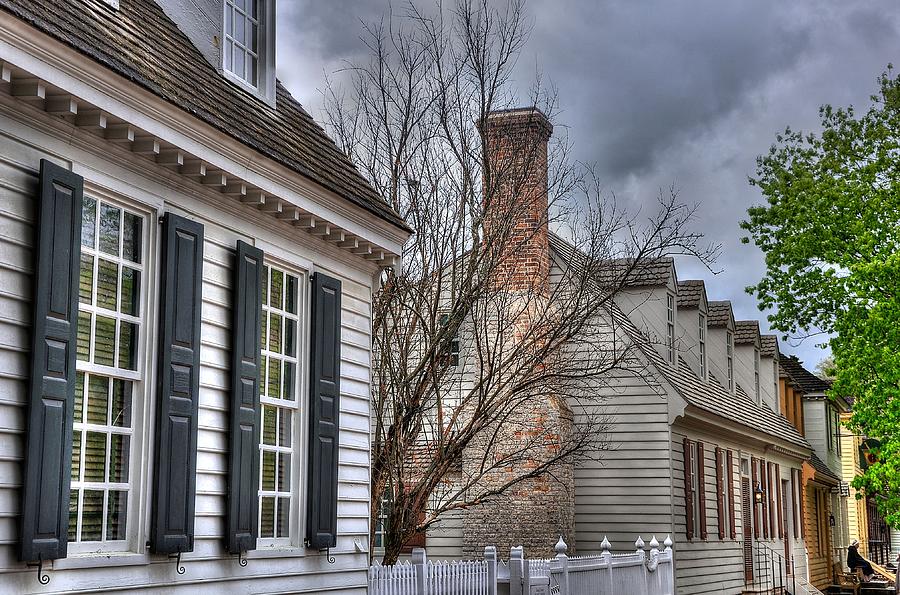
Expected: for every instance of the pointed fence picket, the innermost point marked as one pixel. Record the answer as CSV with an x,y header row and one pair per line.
x,y
636,573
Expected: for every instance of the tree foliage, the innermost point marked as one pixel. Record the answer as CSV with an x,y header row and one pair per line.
x,y
830,232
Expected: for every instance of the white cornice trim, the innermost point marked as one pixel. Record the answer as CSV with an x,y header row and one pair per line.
x,y
97,87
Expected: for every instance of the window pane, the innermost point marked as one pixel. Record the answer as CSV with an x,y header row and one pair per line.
x,y
265,285
290,373
268,471
251,36
284,472
268,428
251,69
95,457
128,336
229,15
239,61
73,515
285,426
267,517
274,378
86,279
131,242
76,456
284,517
229,49
109,229
290,332
240,4
104,340
83,341
92,516
88,216
277,288
275,338
98,400
239,25
107,280
291,297
121,404
131,289
78,414
119,455
115,514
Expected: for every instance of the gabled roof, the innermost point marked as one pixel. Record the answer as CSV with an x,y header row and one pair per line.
x,y
746,332
141,43
718,313
691,293
768,345
800,377
708,396
627,272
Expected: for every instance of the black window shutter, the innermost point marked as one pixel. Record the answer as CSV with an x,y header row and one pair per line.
x,y
51,389
178,386
243,453
325,364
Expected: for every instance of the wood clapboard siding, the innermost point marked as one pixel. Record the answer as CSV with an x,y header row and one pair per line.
x,y
818,534
444,540
208,568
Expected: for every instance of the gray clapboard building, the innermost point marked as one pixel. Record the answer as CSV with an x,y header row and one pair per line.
x,y
187,264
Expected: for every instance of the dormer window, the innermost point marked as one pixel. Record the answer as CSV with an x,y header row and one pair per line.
x,y
248,46
242,40
670,328
702,329
756,372
729,355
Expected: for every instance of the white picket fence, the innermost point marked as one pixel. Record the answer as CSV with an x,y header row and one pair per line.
x,y
637,573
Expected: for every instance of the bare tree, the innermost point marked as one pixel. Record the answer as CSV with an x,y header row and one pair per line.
x,y
466,343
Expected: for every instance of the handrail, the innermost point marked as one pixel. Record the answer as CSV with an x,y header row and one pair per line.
x,y
772,568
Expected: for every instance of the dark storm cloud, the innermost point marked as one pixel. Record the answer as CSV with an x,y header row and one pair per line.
x,y
656,92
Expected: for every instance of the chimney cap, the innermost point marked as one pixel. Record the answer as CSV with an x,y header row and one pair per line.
x,y
519,116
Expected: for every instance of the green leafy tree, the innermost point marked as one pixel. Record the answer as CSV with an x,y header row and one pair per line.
x,y
830,232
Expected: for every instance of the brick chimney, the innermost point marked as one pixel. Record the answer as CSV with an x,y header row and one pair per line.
x,y
515,196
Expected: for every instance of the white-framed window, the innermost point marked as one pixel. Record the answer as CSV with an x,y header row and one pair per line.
x,y
729,358
110,384
726,497
756,372
670,328
283,297
702,330
242,39
695,487
381,520
453,351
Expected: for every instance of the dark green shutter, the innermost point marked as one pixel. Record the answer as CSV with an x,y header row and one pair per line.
x,y
51,389
324,394
243,454
177,386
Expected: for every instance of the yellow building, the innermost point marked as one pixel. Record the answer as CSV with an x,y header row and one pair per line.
x,y
850,468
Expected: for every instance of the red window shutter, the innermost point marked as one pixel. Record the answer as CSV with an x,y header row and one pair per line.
x,y
754,466
416,540
729,482
780,501
720,491
701,491
688,489
773,501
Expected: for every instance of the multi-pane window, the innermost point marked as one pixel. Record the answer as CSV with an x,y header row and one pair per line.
x,y
834,429
670,328
729,358
756,373
453,350
242,30
279,403
381,520
702,329
695,486
110,337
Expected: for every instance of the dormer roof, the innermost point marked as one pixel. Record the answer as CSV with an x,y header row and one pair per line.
x,y
746,332
691,294
768,346
654,272
719,314
141,43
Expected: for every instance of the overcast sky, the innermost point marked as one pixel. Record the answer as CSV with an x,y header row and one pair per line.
x,y
657,92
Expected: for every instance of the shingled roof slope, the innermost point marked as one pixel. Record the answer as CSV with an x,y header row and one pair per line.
x,y
768,345
801,377
651,272
690,293
141,43
823,469
718,313
746,331
708,396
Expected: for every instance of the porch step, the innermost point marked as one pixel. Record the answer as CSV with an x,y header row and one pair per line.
x,y
763,590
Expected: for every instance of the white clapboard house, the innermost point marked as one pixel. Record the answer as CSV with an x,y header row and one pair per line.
x,y
698,447
186,270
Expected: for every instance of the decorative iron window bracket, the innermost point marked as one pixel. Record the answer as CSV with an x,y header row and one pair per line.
x,y
42,576
242,558
179,568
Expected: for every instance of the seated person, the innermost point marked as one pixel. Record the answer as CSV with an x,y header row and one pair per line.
x,y
855,560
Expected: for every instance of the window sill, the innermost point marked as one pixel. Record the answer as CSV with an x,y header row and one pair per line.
x,y
96,559
276,552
